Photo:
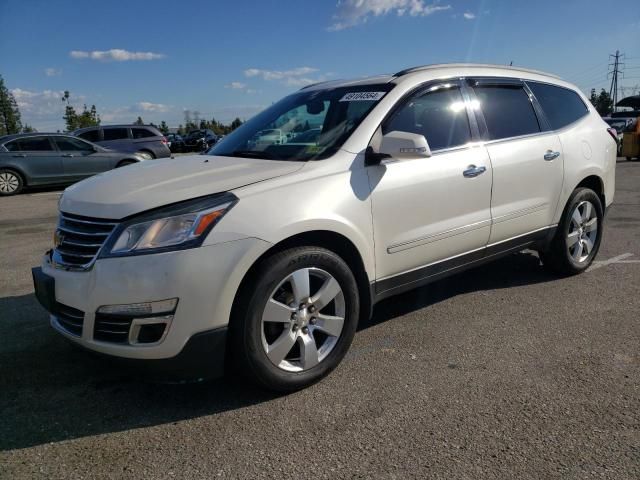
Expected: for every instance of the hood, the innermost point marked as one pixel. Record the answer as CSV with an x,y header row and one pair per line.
x,y
136,188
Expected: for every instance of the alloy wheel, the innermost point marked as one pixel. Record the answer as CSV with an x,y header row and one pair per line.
x,y
583,231
303,319
9,182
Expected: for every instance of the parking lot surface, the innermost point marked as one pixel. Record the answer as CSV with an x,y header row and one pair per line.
x,y
504,371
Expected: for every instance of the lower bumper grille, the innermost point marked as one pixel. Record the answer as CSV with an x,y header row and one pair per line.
x,y
111,328
69,319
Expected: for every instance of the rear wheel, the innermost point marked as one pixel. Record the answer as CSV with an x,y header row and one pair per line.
x,y
11,182
577,239
295,320
145,154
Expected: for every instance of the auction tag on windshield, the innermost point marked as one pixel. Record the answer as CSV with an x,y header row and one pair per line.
x,y
362,96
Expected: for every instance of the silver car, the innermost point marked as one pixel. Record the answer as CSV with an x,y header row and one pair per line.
x,y
145,140
34,159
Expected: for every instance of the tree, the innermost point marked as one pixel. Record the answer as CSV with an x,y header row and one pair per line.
x,y
139,121
164,128
73,120
235,124
602,102
10,121
28,129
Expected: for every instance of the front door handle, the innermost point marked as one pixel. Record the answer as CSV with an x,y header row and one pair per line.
x,y
473,171
68,155
551,155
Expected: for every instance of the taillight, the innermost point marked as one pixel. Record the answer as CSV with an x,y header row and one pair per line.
x,y
614,134
164,139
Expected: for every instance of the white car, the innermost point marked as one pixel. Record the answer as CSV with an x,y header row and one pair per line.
x,y
262,262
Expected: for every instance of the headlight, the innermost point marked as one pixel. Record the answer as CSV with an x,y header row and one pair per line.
x,y
183,225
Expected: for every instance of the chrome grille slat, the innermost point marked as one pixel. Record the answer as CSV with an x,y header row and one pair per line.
x,y
79,240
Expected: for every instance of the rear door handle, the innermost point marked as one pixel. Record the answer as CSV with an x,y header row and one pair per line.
x,y
551,155
20,155
68,155
473,171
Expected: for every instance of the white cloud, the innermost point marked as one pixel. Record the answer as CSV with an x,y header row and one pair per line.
x,y
469,15
115,54
355,12
52,72
236,85
152,107
295,77
44,109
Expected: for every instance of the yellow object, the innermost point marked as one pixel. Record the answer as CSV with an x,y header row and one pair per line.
x,y
631,145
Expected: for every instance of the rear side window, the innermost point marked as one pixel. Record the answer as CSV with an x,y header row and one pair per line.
x,y
142,133
507,110
440,116
31,144
115,134
91,135
67,144
561,106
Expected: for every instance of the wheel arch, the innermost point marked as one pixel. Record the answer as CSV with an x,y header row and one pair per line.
x,y
124,161
331,240
18,171
595,183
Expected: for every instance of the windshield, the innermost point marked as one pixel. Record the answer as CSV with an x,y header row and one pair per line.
x,y
308,125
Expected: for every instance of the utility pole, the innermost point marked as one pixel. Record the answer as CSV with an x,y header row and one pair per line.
x,y
616,65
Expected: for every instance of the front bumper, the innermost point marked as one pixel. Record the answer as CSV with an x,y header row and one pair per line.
x,y
204,279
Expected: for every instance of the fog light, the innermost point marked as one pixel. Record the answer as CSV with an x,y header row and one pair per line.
x,y
144,308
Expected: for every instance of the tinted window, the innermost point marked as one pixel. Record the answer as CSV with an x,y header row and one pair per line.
x,y
91,135
440,116
508,111
561,106
142,133
71,144
31,144
115,133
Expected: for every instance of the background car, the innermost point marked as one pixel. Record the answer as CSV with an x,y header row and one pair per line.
x,y
200,140
53,159
145,140
176,142
620,124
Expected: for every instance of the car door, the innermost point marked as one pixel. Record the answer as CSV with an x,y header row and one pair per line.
x,y
79,158
37,158
117,138
430,214
526,158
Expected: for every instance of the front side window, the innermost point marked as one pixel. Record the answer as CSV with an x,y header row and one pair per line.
x,y
142,133
30,144
508,111
308,125
67,144
439,115
561,106
115,134
91,135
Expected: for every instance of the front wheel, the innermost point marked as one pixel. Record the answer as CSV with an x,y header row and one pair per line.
x,y
11,183
578,236
295,319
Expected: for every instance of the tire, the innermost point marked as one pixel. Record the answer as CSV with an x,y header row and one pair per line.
x,y
11,182
124,163
629,159
145,154
578,236
271,315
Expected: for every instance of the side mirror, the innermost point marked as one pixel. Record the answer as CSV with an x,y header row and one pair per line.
x,y
404,145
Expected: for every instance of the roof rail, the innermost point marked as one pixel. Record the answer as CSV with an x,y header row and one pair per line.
x,y
315,84
443,65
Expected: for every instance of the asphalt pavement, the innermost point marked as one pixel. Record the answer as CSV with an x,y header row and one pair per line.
x,y
504,371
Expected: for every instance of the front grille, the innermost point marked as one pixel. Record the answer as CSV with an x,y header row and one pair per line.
x,y
78,240
70,319
111,328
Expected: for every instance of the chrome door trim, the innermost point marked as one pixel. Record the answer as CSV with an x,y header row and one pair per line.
x,y
399,247
520,213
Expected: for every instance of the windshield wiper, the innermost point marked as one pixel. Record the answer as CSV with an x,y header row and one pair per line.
x,y
254,154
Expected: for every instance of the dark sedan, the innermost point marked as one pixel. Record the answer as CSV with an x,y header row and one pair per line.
x,y
34,159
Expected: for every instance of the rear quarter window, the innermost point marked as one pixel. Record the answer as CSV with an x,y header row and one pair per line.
x,y
91,135
142,133
561,106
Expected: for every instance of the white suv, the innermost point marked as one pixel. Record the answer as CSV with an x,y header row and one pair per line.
x,y
262,257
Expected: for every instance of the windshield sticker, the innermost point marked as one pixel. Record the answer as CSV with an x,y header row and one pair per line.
x,y
362,96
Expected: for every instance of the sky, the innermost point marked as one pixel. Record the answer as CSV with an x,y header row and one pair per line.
x,y
228,59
